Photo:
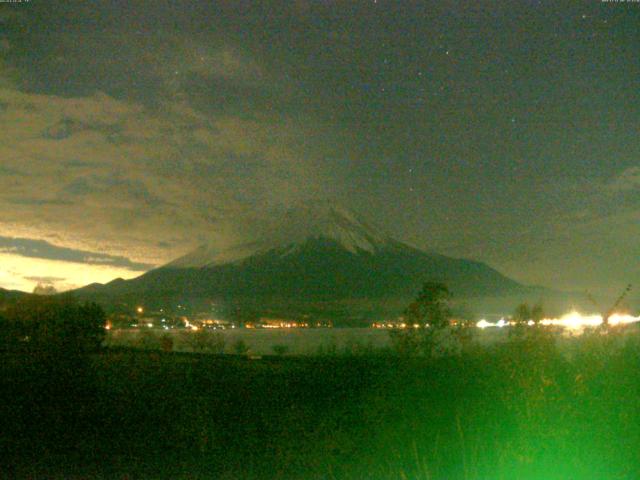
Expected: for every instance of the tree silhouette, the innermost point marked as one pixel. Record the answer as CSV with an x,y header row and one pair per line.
x,y
522,314
54,324
431,308
426,319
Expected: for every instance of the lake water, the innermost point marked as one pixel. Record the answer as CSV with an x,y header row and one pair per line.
x,y
296,341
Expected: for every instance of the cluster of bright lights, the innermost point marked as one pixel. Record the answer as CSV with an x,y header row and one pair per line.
x,y
571,321
484,324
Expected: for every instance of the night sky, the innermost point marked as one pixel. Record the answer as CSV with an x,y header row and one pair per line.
x,y
508,132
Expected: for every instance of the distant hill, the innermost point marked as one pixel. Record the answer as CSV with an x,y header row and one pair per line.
x,y
9,296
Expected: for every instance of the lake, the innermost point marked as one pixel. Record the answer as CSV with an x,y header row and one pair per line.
x,y
295,341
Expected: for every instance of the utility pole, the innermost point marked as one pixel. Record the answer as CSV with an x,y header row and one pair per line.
x,y
605,317
606,314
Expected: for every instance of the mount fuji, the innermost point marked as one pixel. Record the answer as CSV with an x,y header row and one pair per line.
x,y
312,256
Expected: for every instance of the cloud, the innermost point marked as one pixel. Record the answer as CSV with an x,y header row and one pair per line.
x,y
212,61
144,140
18,272
45,279
41,249
104,175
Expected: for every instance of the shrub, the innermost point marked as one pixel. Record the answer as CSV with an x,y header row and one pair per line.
x,y
204,341
355,347
53,324
216,343
166,343
240,347
327,350
280,350
147,340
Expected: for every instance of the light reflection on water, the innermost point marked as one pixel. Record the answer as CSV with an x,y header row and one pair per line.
x,y
311,341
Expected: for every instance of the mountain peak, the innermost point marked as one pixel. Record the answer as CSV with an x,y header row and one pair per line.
x,y
328,221
294,226
310,253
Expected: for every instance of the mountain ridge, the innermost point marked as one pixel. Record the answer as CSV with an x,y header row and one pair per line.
x,y
296,225
307,258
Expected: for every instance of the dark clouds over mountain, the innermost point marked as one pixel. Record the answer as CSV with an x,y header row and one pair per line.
x,y
497,132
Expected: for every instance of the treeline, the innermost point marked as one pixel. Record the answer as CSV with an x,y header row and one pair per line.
x,y
59,324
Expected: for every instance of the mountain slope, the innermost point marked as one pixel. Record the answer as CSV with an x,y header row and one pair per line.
x,y
10,296
294,227
311,254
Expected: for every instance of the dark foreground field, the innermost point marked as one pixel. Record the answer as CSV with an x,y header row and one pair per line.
x,y
515,411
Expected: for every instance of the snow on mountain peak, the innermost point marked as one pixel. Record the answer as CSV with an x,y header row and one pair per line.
x,y
294,226
325,220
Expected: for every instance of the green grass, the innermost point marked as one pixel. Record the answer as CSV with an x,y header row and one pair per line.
x,y
519,410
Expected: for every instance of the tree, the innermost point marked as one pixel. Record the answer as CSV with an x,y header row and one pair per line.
x,y
8,333
529,336
431,308
427,321
44,289
56,324
537,313
91,323
520,317
522,314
